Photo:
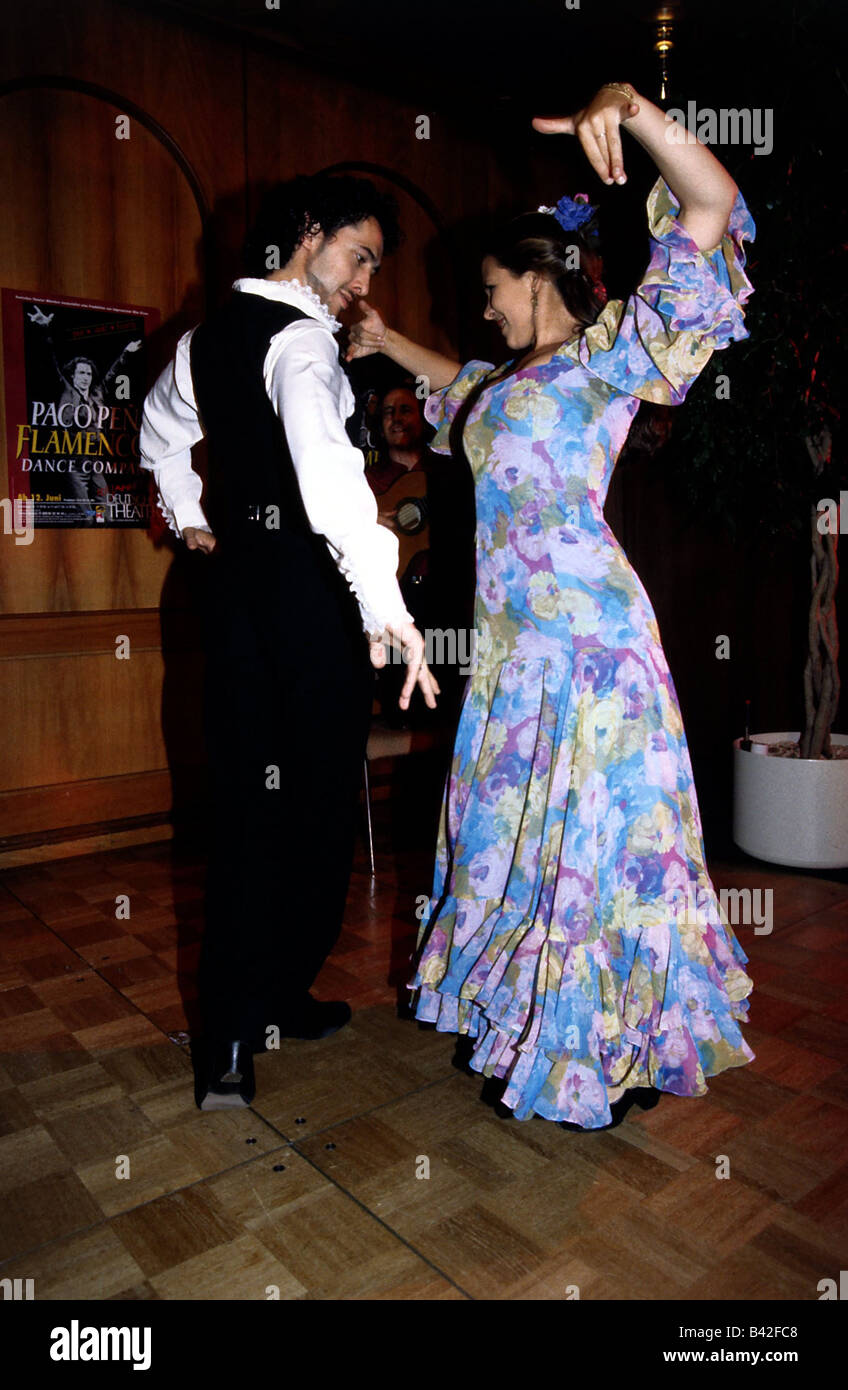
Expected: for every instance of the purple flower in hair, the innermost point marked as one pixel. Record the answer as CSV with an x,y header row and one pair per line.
x,y
572,213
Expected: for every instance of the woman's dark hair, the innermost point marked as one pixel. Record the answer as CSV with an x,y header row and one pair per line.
x,y
535,241
309,203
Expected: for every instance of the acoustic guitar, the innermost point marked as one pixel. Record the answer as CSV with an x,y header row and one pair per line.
x,y
407,498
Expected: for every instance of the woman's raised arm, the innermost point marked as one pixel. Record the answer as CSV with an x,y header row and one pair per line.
x,y
702,186
372,335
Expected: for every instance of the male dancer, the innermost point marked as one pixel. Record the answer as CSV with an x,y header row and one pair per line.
x,y
298,566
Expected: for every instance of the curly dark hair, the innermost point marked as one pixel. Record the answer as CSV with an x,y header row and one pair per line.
x,y
313,202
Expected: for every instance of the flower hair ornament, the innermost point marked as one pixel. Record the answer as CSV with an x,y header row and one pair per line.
x,y
577,214
572,213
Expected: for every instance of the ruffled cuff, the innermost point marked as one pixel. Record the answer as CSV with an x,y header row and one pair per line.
x,y
688,304
440,408
695,291
168,517
374,584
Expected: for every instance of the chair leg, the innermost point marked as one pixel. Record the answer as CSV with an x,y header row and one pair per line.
x,y
368,818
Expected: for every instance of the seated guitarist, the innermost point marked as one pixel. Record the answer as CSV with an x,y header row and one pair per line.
x,y
436,541
402,426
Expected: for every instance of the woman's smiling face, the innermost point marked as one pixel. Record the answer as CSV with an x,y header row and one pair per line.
x,y
508,302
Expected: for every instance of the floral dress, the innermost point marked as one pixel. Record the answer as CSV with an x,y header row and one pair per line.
x,y
573,930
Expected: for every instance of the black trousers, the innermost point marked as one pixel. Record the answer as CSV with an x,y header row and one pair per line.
x,y
288,698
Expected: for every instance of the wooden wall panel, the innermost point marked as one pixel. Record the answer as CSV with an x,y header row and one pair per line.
x,y
53,813
189,82
90,215
81,716
87,738
309,123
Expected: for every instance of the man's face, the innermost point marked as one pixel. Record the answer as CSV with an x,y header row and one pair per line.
x,y
82,376
339,268
402,423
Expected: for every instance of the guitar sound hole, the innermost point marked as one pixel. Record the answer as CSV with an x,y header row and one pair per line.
x,y
410,516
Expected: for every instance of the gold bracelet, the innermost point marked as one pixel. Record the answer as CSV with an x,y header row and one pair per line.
x,y
623,87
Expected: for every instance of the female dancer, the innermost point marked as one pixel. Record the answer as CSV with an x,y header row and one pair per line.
x,y
570,832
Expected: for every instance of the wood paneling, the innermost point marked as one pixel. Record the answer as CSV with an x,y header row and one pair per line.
x,y
84,802
68,634
89,216
81,716
89,737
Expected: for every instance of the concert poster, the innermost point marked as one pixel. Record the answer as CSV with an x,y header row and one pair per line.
x,y
74,376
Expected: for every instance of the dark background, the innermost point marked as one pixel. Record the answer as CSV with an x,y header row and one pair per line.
x,y
237,95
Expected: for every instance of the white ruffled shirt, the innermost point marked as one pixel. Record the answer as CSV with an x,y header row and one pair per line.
x,y
312,397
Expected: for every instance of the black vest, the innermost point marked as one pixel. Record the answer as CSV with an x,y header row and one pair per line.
x,y
249,459
250,468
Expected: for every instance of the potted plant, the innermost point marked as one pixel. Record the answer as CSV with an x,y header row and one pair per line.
x,y
765,436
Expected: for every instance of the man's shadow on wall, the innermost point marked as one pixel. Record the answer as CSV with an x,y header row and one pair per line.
x,y
183,609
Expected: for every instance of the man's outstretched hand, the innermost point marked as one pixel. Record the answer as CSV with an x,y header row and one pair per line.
x,y
408,639
198,539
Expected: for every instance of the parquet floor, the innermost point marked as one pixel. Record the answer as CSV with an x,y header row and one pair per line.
x,y
370,1167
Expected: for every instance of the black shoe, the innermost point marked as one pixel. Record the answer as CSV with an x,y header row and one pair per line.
x,y
314,1019
643,1096
223,1075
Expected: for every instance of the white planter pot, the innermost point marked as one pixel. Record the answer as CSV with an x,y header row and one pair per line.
x,y
791,811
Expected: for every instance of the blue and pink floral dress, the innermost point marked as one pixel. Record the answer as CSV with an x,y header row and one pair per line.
x,y
573,930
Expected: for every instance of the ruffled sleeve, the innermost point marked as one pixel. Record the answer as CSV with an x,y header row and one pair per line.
x,y
440,408
654,344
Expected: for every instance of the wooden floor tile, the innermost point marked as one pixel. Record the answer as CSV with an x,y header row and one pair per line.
x,y
812,1126
789,1064
746,1276
374,1059
640,1255
42,1209
89,1265
824,1035
776,1168
827,1205
723,1213
242,1268
156,1167
172,1229
229,1205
